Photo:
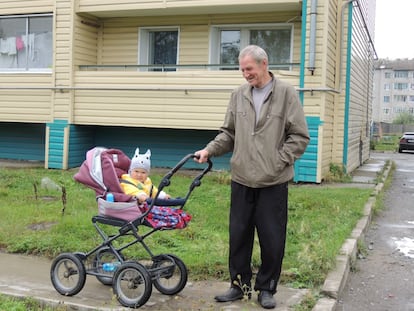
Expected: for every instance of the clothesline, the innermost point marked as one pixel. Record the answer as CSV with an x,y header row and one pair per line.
x,y
11,45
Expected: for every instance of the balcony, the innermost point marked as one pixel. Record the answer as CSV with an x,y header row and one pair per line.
x,y
125,8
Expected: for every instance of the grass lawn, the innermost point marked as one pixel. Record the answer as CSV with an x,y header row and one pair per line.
x,y
320,219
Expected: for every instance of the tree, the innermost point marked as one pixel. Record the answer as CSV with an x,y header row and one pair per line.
x,y
404,118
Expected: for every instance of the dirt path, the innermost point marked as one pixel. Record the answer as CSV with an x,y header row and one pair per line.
x,y
384,277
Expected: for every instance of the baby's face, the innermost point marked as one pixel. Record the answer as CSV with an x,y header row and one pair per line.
x,y
139,174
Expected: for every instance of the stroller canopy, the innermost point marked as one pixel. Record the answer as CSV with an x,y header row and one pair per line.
x,y
101,172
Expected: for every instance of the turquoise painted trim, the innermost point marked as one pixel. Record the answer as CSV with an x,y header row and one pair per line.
x,y
303,49
347,86
306,166
56,143
81,139
168,146
22,141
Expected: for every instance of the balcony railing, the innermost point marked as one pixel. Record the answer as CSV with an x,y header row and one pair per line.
x,y
174,67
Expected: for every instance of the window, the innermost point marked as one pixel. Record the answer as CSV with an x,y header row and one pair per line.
x,y
398,110
411,98
400,98
386,99
158,48
386,110
227,41
386,86
401,74
26,43
400,86
387,75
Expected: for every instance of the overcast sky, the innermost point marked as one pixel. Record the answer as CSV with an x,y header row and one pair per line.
x,y
394,37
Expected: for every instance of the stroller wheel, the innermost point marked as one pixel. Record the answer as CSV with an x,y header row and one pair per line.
x,y
169,274
132,284
68,274
104,255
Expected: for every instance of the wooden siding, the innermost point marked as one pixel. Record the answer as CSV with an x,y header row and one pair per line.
x,y
182,99
306,167
174,7
81,138
119,37
332,139
56,144
168,146
360,95
25,105
86,36
11,7
18,104
63,63
21,141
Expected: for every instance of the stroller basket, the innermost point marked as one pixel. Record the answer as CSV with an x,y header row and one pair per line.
x,y
131,279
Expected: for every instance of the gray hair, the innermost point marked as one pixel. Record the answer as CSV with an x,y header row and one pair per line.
x,y
256,52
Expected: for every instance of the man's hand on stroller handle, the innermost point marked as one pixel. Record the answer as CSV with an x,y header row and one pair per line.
x,y
201,156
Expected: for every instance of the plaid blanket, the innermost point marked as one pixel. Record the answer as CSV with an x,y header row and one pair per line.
x,y
166,217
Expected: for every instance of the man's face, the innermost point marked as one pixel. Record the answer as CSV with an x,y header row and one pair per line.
x,y
253,72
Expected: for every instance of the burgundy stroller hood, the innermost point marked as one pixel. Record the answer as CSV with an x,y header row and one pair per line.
x,y
102,170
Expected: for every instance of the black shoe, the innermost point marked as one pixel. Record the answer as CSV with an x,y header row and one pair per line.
x,y
234,293
266,300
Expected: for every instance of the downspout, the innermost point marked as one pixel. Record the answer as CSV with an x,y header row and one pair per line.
x,y
303,51
312,36
312,44
348,81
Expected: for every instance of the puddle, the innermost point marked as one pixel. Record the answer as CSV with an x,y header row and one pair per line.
x,y
405,246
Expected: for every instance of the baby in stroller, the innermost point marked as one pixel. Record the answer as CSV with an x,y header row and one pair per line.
x,y
137,184
131,279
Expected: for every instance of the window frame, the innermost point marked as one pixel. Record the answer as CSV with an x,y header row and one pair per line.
x,y
27,69
214,45
144,47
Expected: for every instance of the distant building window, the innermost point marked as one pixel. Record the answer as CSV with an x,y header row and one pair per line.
x,y
401,74
26,42
400,86
158,48
411,110
386,110
411,98
387,86
227,41
387,75
400,98
398,109
386,99
412,86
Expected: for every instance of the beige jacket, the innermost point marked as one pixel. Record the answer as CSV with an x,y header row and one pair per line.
x,y
263,154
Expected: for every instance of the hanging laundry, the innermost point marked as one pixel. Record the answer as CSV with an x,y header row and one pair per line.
x,y
4,47
11,46
19,44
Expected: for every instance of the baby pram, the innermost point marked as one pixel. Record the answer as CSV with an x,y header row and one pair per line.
x,y
131,279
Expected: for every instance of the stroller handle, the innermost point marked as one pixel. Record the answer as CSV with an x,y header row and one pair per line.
x,y
182,162
165,182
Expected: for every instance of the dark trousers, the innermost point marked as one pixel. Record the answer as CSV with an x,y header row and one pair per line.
x,y
263,209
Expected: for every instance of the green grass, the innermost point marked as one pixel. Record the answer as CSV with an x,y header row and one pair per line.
x,y
320,219
386,143
24,304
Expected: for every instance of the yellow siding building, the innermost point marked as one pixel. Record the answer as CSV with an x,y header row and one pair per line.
x,y
158,74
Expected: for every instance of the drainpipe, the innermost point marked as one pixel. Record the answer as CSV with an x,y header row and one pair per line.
x,y
312,36
348,82
303,51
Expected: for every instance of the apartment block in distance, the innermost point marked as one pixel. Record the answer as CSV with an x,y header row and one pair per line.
x,y
393,89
